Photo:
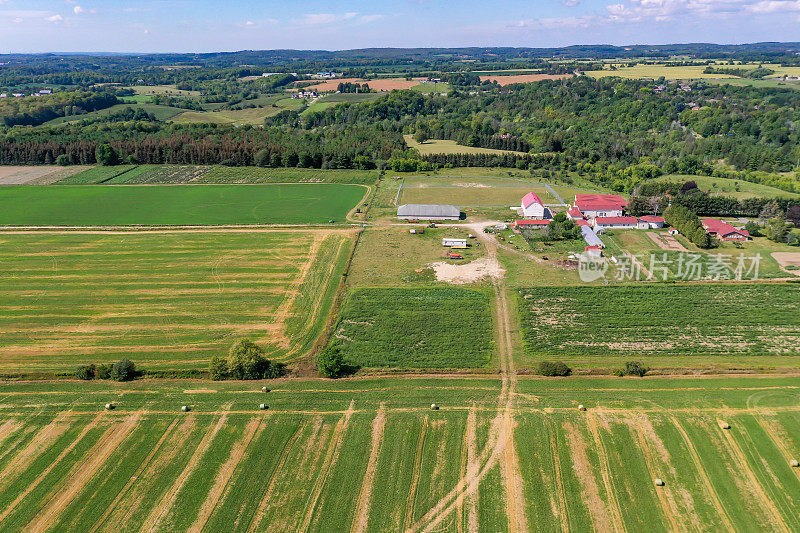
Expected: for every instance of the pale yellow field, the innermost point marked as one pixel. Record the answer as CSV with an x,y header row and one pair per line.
x,y
162,89
441,146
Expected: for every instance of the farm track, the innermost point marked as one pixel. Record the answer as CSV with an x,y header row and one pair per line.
x,y
563,512
605,472
590,489
361,517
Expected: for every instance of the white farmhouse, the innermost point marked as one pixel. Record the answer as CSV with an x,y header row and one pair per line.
x,y
532,207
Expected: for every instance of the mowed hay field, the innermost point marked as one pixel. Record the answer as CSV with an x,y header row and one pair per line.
x,y
177,205
166,300
476,192
675,326
524,78
370,455
416,328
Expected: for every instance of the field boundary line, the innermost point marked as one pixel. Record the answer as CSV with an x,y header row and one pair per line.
x,y
605,473
83,472
220,487
769,505
145,463
88,427
712,492
258,516
166,502
361,516
328,464
412,492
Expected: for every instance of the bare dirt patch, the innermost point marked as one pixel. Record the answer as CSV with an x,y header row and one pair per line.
x,y
386,84
468,273
788,259
665,241
21,175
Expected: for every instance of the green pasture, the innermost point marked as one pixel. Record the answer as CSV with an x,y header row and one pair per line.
x,y
698,325
416,328
730,187
161,112
168,300
445,146
370,453
178,205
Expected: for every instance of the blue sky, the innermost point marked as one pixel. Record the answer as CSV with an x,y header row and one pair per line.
x,y
207,25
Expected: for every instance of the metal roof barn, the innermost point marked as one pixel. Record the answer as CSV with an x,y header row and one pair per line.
x,y
591,237
428,212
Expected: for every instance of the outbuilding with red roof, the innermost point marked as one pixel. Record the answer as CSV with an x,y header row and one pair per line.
x,y
600,205
724,231
532,207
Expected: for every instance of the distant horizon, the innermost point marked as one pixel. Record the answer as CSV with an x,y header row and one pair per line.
x,y
356,49
203,26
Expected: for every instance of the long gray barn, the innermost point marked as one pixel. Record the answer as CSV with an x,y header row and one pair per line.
x,y
428,212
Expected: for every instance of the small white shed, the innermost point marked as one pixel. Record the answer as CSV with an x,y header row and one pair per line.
x,y
454,243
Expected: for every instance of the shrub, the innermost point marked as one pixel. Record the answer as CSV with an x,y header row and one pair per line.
x,y
262,158
635,368
753,229
106,155
85,372
62,160
218,368
123,370
330,362
103,372
246,361
558,368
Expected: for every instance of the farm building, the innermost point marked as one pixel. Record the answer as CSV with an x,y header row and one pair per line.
x,y
519,225
593,251
532,207
573,213
616,222
454,243
591,237
600,205
428,212
724,231
653,221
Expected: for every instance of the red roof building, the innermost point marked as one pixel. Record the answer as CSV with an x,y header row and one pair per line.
x,y
616,222
532,207
600,205
653,221
530,199
724,231
574,213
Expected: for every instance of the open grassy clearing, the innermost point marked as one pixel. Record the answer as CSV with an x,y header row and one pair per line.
x,y
415,328
367,455
665,326
766,83
168,300
523,78
444,146
161,112
178,205
162,89
730,187
657,71
253,116
477,192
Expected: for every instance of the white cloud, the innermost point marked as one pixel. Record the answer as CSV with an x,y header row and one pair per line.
x,y
366,19
318,19
570,3
78,10
774,6
146,32
249,23
54,18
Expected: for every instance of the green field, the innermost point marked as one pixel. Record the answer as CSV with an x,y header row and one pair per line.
x,y
416,328
477,192
673,326
253,116
167,300
161,112
444,146
370,455
177,205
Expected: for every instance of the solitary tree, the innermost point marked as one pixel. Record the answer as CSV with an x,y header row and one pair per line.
x,y
123,370
330,362
422,134
246,361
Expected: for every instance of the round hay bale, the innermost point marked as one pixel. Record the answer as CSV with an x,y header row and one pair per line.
x,y
723,424
110,406
263,406
795,463
581,407
264,389
185,408
434,407
659,482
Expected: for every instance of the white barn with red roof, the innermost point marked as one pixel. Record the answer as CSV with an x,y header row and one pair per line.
x,y
532,207
616,222
724,231
600,205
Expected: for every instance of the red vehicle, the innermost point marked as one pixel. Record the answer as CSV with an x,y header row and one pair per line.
x,y
455,256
